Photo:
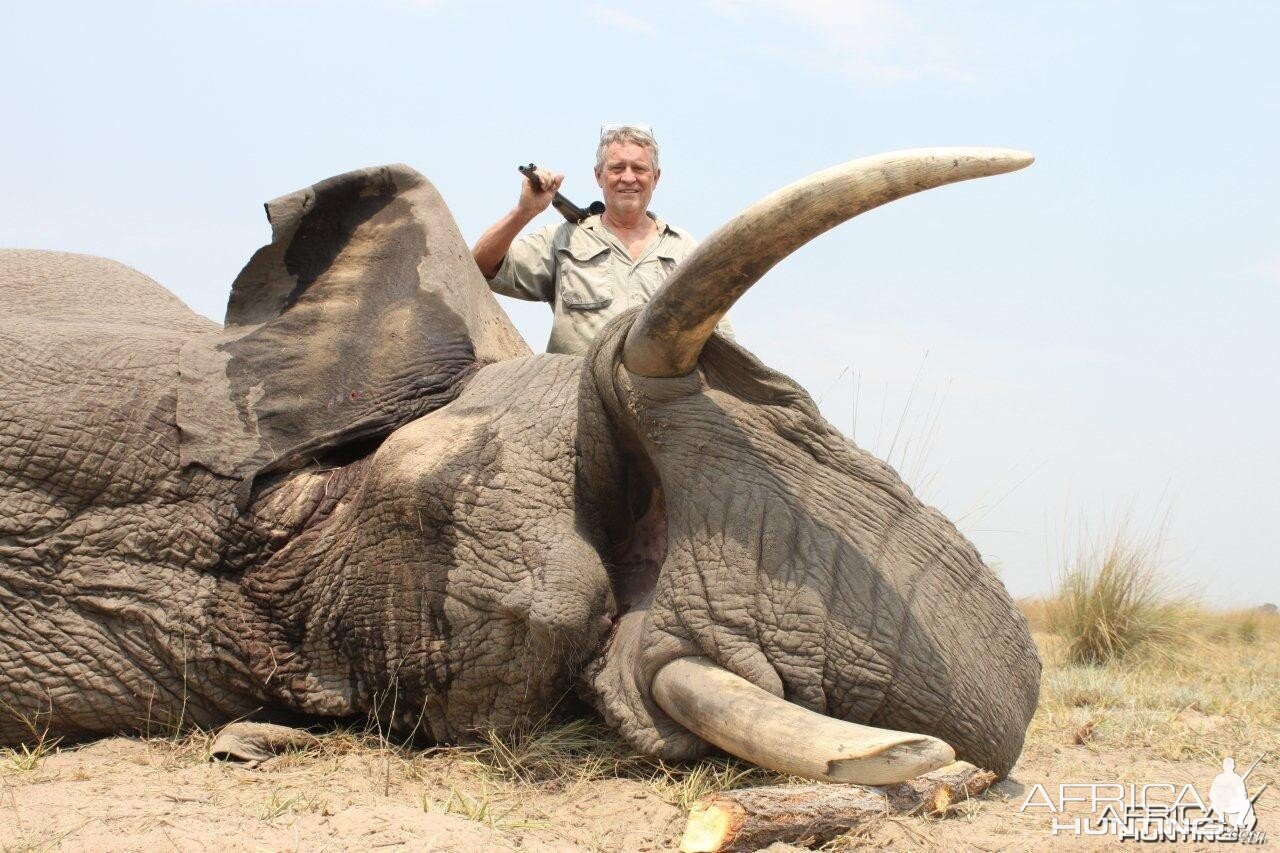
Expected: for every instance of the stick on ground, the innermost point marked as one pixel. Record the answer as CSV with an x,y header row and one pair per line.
x,y
751,818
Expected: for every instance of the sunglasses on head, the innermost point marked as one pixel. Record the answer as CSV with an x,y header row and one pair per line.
x,y
609,127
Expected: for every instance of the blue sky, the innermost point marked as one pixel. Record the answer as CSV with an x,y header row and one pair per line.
x,y
1042,353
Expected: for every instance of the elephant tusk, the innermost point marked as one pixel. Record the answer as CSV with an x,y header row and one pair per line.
x,y
669,334
769,731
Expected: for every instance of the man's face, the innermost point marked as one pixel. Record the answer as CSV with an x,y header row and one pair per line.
x,y
627,178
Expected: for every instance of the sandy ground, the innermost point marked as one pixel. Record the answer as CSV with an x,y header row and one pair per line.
x,y
123,794
576,786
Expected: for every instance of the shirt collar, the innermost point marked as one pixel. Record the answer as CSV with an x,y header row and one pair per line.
x,y
593,223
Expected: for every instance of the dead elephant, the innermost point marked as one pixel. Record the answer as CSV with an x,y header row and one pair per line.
x,y
365,496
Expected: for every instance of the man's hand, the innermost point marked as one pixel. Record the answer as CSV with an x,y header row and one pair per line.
x,y
533,201
493,244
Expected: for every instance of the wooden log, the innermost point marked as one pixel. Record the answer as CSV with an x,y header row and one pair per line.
x,y
937,792
751,818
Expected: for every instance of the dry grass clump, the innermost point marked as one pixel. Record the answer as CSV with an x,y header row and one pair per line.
x,y
515,781
1114,602
26,758
1222,698
1243,626
1217,691
1132,664
568,753
552,753
23,758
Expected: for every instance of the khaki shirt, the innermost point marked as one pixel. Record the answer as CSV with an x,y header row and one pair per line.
x,y
586,274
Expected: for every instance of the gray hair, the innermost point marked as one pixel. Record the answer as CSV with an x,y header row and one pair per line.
x,y
633,135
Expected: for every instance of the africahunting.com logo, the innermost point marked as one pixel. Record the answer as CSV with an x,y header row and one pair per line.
x,y
1155,811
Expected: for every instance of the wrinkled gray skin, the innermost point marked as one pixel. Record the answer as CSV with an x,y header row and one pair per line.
x,y
365,496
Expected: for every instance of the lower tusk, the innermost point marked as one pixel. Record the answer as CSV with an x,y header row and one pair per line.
x,y
755,725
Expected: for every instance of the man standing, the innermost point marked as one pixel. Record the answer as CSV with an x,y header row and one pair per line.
x,y
593,271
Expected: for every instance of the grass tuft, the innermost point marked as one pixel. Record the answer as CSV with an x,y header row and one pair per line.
x,y
281,803
683,787
557,754
24,759
1113,602
1240,626
1214,690
562,755
482,808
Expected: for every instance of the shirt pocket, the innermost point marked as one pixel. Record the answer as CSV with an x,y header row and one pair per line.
x,y
667,265
586,277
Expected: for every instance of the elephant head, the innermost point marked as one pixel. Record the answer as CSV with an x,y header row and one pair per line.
x,y
411,516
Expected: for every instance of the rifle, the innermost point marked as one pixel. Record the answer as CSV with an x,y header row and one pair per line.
x,y
570,211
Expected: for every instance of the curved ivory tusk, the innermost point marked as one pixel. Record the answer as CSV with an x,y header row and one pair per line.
x,y
669,334
755,725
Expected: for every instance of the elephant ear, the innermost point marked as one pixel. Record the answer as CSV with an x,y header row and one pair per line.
x,y
364,312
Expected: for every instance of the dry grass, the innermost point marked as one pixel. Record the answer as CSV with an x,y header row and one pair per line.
x,y
558,754
23,758
280,803
1132,664
496,812
1113,601
183,749
1216,691
566,754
